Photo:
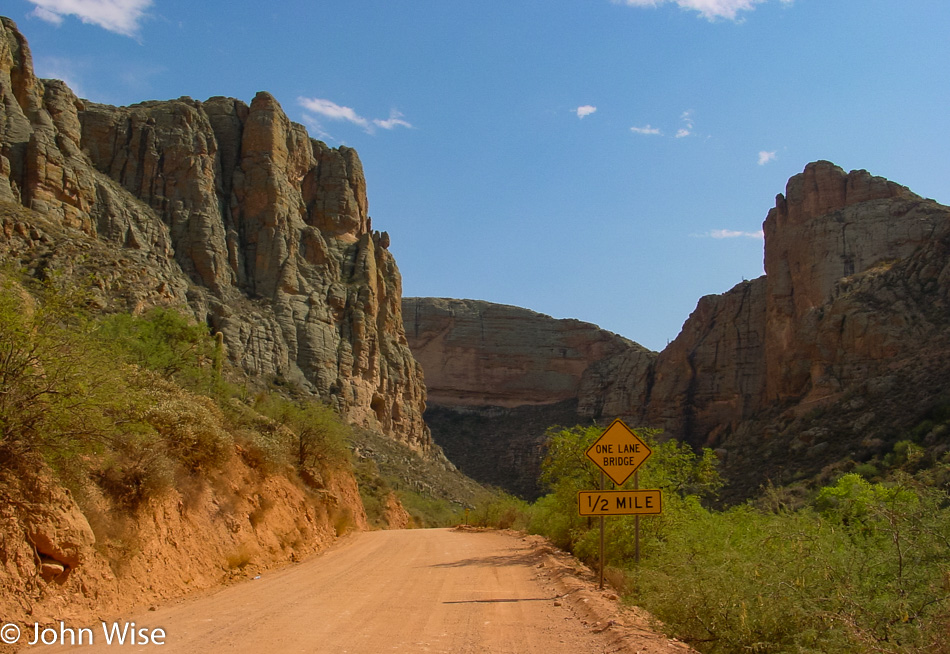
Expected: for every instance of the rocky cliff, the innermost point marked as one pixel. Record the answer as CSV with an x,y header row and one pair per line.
x,y
498,376
231,209
478,353
834,354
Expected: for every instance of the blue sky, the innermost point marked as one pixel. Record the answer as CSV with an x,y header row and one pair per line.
x,y
610,161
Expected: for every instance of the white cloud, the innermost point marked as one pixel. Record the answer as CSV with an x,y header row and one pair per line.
x,y
47,15
709,9
729,233
765,157
394,120
315,128
331,110
585,110
119,16
687,128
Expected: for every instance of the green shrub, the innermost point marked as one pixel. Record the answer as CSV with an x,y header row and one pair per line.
x,y
500,510
428,511
865,570
318,436
60,395
165,341
190,427
862,567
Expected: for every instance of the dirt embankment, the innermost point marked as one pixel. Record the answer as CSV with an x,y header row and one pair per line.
x,y
60,562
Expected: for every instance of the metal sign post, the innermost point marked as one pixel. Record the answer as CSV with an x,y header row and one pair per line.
x,y
602,537
618,452
636,524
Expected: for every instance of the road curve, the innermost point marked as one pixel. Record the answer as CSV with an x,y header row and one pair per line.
x,y
434,590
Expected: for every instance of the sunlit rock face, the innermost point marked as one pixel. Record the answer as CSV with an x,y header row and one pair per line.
x,y
498,376
840,346
832,355
264,232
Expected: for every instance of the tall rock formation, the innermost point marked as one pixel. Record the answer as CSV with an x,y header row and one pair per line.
x,y
840,350
263,231
498,376
833,354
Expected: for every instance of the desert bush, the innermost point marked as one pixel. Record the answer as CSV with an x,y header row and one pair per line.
x,y
859,567
318,436
131,477
863,570
60,395
374,491
500,510
67,397
190,427
165,341
428,511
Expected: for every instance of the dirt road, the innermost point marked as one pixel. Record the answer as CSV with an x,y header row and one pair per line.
x,y
395,591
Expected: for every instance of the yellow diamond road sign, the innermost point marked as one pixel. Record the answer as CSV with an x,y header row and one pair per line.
x,y
618,452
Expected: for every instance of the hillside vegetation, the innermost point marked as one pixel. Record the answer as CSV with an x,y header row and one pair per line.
x,y
132,466
856,566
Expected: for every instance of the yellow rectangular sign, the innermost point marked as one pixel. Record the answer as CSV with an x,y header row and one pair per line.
x,y
624,502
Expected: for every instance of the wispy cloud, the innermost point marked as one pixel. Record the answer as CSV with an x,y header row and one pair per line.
x,y
765,157
62,69
333,111
119,16
729,233
394,120
687,127
709,9
317,108
585,110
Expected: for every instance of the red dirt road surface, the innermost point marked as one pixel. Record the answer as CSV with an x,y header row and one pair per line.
x,y
436,590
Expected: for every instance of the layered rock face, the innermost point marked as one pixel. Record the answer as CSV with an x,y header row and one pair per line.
x,y
498,376
478,353
831,226
835,351
263,231
792,335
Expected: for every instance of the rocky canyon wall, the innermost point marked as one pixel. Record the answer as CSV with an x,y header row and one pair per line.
x,y
228,208
498,376
832,355
793,335
477,353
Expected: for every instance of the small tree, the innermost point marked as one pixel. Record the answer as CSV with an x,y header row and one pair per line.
x,y
49,401
319,434
165,341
